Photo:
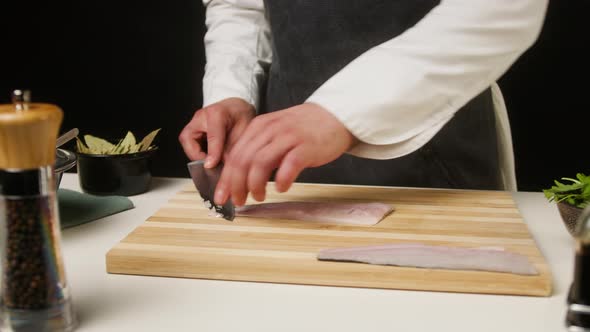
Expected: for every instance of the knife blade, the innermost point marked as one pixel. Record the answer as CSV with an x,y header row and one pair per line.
x,y
205,180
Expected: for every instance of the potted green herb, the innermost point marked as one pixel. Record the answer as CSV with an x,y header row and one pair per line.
x,y
571,198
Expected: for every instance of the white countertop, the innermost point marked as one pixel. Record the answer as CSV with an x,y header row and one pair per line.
x,y
111,302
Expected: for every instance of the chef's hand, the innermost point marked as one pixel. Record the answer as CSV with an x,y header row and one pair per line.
x,y
303,136
218,126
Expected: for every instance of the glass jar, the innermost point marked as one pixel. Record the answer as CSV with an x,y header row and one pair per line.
x,y
578,313
34,294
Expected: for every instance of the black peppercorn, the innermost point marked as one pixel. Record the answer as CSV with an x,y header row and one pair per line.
x,y
31,275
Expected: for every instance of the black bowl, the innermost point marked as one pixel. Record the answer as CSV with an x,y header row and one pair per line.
x,y
120,174
64,160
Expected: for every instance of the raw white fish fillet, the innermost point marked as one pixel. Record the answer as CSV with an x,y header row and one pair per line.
x,y
366,214
434,257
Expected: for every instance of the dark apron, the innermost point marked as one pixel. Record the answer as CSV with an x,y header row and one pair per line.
x,y
314,39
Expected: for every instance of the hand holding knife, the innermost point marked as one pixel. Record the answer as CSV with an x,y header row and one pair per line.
x,y
210,133
205,180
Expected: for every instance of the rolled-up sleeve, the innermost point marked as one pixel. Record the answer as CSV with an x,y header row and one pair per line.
x,y
237,48
397,95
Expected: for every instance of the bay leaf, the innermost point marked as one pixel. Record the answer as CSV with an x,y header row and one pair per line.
x,y
81,147
98,145
146,142
128,142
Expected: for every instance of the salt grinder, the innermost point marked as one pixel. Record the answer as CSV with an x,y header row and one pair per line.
x,y
34,294
578,310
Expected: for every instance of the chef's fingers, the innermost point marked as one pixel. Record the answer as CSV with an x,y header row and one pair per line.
x,y
233,136
291,166
237,185
192,134
241,160
216,132
191,146
222,190
266,161
259,125
232,182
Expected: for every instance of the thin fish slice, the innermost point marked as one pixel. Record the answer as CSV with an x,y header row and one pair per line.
x,y
366,214
434,257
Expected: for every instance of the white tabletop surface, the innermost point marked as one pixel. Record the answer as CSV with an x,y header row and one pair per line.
x,y
111,302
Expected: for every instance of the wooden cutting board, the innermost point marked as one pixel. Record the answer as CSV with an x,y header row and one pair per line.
x,y
181,240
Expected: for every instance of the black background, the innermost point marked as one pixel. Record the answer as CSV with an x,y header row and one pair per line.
x,y
114,66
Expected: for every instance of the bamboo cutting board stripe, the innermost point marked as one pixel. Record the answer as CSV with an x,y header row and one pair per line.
x,y
273,241
181,240
298,233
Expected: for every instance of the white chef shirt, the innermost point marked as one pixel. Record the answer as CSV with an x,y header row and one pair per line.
x,y
397,95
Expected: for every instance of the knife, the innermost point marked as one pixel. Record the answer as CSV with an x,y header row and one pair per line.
x,y
205,180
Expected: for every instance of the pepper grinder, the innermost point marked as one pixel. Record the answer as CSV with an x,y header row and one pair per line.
x,y
34,294
578,310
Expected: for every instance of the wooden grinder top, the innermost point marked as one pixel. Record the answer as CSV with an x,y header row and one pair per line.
x,y
28,134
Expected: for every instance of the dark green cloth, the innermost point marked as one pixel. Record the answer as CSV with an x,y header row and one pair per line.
x,y
77,208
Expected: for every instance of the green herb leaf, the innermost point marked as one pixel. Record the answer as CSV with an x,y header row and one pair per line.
x,y
576,192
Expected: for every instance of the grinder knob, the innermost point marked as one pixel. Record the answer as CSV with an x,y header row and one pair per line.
x,y
28,133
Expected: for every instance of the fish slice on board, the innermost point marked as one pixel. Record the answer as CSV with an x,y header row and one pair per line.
x,y
434,257
366,214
